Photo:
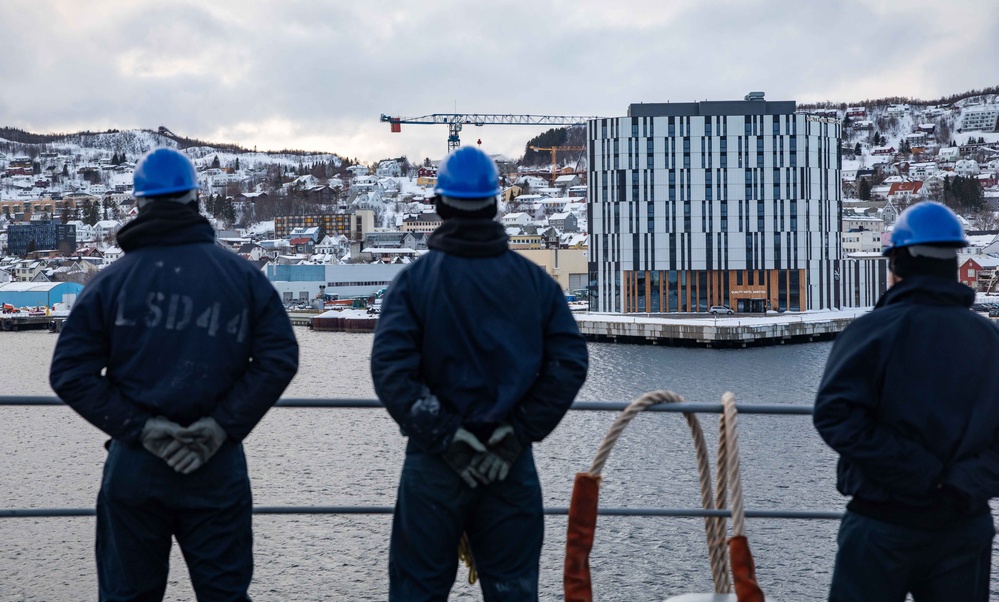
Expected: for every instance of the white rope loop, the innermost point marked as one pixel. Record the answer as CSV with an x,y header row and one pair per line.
x,y
645,400
714,526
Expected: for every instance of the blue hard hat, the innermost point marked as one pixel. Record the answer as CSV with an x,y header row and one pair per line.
x,y
163,171
927,223
468,173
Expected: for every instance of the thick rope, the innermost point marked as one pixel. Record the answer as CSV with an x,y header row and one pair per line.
x,y
642,402
732,468
721,500
713,526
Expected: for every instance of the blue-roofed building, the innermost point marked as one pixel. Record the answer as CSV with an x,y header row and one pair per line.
x,y
302,282
39,294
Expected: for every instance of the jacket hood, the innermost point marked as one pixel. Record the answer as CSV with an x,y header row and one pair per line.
x,y
165,223
469,238
928,290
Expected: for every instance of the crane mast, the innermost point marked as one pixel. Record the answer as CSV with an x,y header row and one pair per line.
x,y
455,121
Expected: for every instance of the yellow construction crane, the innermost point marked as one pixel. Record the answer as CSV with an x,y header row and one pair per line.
x,y
555,149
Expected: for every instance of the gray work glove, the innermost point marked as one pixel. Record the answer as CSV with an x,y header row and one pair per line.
x,y
159,436
504,449
199,442
462,453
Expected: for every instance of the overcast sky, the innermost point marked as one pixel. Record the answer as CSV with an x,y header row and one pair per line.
x,y
316,75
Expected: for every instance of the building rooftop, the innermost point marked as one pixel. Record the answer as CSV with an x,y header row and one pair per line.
x,y
712,107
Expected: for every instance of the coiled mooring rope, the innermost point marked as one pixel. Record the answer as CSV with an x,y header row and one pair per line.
x,y
728,480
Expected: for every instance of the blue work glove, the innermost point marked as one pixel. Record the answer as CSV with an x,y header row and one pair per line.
x,y
504,449
461,455
199,442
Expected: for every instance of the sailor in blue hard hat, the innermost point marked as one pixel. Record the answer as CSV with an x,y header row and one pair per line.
x,y
476,356
176,351
926,239
910,402
164,174
467,185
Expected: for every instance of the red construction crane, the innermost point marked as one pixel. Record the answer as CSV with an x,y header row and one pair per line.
x,y
454,122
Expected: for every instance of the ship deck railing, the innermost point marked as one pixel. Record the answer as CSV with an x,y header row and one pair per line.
x,y
579,406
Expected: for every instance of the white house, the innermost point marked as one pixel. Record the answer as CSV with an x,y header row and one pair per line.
x,y
389,169
532,182
949,153
567,181
966,167
106,228
516,219
312,233
112,254
337,245
921,170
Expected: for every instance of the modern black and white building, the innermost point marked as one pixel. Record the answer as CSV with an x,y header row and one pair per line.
x,y
41,235
697,204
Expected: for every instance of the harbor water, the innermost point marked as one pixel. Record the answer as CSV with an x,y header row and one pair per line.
x,y
51,458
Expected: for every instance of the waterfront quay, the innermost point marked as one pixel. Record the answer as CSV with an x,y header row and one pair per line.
x,y
700,330
15,322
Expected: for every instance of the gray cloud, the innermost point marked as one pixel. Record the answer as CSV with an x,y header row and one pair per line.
x,y
316,75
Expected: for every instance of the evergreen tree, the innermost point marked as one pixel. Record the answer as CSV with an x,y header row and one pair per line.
x,y
90,213
65,170
237,163
856,150
229,211
864,190
215,162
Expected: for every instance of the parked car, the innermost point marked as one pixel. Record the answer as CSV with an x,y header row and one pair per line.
x,y
720,309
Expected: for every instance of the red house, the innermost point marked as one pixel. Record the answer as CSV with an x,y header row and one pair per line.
x,y
968,273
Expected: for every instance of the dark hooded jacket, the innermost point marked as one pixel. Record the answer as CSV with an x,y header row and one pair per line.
x,y
178,327
910,401
482,330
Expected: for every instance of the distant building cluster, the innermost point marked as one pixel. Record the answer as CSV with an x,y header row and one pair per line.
x,y
674,207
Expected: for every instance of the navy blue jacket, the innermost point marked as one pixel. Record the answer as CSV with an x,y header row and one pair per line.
x,y
482,329
184,328
910,398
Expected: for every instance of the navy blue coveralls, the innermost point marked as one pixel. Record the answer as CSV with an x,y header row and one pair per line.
x,y
491,336
181,328
910,401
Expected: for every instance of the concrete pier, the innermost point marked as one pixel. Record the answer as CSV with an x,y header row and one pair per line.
x,y
15,322
724,331
348,320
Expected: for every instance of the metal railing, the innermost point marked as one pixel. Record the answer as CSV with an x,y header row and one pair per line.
x,y
585,406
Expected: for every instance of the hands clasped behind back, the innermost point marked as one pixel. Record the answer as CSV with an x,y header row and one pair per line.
x,y
477,463
184,449
504,449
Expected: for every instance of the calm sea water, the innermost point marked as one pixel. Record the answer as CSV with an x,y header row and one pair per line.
x,y
50,457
